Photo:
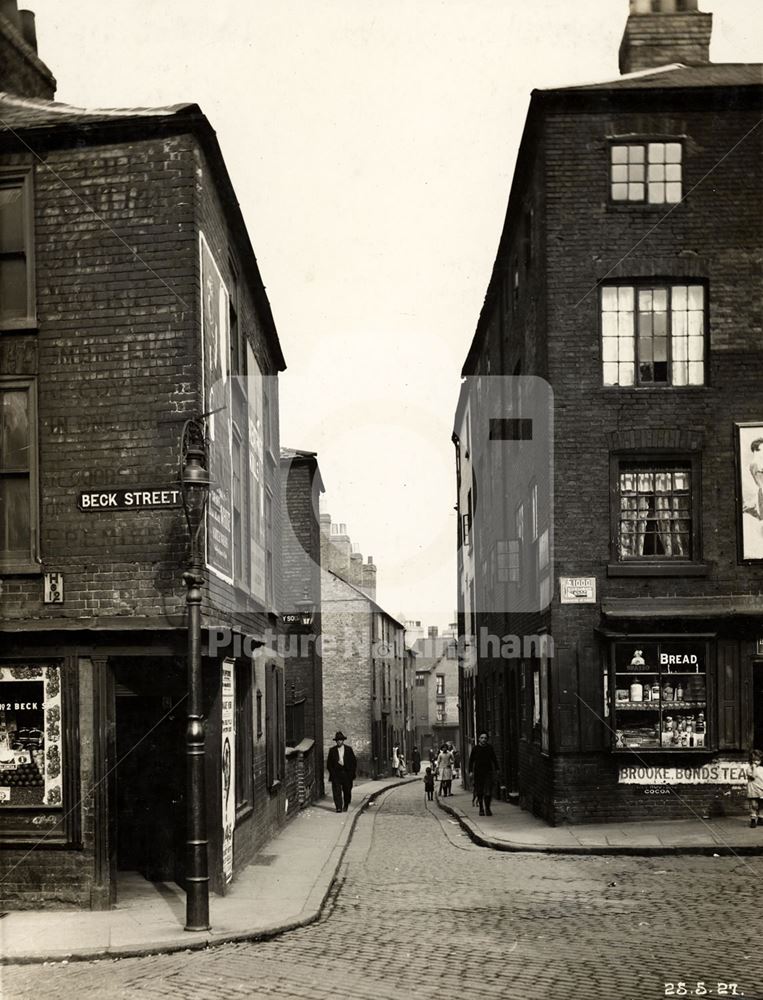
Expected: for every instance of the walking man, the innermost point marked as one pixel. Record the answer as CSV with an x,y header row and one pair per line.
x,y
341,765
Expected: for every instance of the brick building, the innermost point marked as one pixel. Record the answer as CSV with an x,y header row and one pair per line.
x,y
436,690
301,487
129,292
367,672
627,279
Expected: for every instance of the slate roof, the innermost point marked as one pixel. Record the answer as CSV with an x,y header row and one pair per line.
x,y
678,75
33,112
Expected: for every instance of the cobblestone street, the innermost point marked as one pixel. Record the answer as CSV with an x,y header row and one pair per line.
x,y
421,912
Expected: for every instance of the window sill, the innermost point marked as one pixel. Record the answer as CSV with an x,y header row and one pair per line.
x,y
658,569
649,206
637,751
19,325
20,569
243,811
655,387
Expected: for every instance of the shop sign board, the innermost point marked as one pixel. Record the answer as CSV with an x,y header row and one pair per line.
x,y
577,589
719,772
228,757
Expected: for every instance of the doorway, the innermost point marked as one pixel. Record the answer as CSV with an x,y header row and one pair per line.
x,y
757,704
150,775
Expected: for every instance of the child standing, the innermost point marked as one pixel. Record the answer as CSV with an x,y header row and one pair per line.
x,y
429,784
755,786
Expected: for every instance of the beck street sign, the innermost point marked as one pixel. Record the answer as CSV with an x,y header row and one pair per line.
x,y
133,499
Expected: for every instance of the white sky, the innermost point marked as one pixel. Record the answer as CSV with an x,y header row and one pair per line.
x,y
372,145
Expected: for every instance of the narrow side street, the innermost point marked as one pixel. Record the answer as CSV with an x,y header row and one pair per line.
x,y
419,911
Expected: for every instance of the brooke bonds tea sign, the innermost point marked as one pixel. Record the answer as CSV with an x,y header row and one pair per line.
x,y
719,772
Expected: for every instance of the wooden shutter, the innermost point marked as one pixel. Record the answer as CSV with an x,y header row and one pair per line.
x,y
728,688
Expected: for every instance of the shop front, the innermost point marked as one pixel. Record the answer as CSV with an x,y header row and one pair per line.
x,y
650,713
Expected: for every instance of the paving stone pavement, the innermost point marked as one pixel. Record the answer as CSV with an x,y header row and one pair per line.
x,y
420,912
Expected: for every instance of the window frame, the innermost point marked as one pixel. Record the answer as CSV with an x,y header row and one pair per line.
x,y
30,565
645,142
25,177
656,283
652,565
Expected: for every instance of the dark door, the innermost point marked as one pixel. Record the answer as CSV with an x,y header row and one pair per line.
x,y
150,784
757,704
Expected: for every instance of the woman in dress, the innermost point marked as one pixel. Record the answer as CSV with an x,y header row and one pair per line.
x,y
445,769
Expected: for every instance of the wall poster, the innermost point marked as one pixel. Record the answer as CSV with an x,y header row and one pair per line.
x,y
749,444
30,736
215,319
228,770
254,386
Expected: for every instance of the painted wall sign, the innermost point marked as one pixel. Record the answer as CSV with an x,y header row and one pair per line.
x,y
719,772
147,498
228,772
577,589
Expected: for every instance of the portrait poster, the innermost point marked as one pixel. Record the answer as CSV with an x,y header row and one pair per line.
x,y
215,320
749,444
228,769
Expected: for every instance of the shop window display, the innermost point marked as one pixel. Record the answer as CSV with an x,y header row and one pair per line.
x,y
660,696
30,736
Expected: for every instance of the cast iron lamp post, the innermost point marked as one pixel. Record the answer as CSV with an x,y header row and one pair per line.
x,y
194,487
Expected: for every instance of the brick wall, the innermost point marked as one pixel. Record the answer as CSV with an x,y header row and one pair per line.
x,y
346,629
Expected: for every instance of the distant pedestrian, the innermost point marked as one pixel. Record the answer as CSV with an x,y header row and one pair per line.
x,y
456,763
755,786
415,760
341,765
429,784
445,770
395,760
432,757
402,770
483,768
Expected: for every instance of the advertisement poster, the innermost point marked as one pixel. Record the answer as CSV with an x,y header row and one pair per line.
x,y
216,363
750,489
228,773
30,736
254,385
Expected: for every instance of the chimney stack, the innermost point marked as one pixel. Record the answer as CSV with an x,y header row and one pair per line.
x,y
28,28
21,71
660,32
369,578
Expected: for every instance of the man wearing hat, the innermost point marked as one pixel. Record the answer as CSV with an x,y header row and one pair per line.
x,y
341,766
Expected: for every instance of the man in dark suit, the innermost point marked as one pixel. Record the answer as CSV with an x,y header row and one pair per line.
x,y
341,766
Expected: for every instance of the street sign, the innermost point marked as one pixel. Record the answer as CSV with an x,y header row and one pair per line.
x,y
577,589
149,498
